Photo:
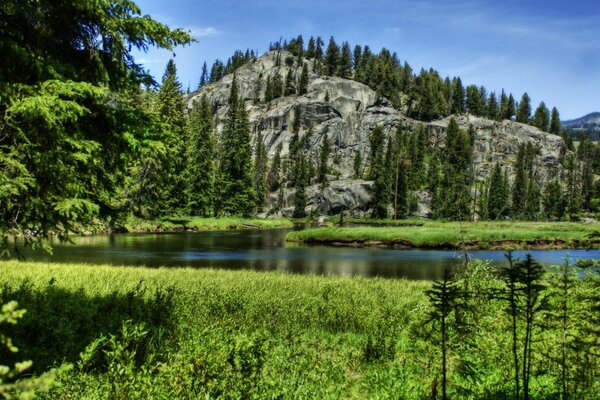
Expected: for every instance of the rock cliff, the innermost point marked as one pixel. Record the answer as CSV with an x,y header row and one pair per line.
x,y
347,111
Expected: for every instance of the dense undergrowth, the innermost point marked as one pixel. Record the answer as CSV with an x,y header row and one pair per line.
x,y
184,333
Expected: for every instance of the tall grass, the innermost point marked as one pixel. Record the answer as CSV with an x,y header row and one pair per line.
x,y
188,333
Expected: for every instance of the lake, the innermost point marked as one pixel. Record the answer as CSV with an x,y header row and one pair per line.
x,y
266,250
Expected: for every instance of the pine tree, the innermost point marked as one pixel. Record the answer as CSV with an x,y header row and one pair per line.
x,y
503,106
458,97
260,171
171,108
520,184
310,50
345,62
524,111
269,96
278,85
532,201
303,83
332,58
377,142
357,165
554,206
237,194
541,118
400,166
323,158
511,107
275,173
290,88
201,159
555,124
301,178
382,185
456,203
493,112
497,203
203,76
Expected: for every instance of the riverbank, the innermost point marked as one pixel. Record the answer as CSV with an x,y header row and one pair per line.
x,y
458,235
188,333
177,224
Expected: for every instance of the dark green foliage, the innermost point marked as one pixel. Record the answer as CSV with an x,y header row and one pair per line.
x,y
203,77
357,165
475,102
382,187
300,183
524,111
455,200
260,171
498,195
70,109
541,117
332,58
525,191
458,97
403,163
323,159
554,202
235,179
304,77
269,94
345,62
555,124
290,87
493,110
201,166
274,176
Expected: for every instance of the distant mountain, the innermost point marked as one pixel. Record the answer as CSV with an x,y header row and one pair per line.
x,y
589,124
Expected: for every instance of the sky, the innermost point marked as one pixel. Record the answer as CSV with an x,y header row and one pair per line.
x,y
547,48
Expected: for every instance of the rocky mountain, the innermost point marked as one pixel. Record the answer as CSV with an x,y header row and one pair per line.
x,y
589,122
348,111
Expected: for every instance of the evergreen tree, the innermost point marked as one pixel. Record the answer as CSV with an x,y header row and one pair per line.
x,y
524,111
573,200
203,76
260,171
332,58
310,50
511,107
400,165
319,49
356,58
554,206
345,62
290,88
458,97
323,158
201,159
303,83
171,108
456,202
532,201
73,116
301,178
520,183
541,118
357,165
269,95
237,194
493,111
497,203
503,106
382,185
475,104
555,124
275,173
278,85
377,142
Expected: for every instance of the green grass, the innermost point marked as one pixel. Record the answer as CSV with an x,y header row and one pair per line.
x,y
188,333
204,224
433,234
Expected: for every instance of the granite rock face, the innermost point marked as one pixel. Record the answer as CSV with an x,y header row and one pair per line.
x,y
347,111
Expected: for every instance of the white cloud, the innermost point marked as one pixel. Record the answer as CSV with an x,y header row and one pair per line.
x,y
199,31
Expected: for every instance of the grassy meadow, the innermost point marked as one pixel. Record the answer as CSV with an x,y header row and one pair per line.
x,y
127,333
133,224
451,235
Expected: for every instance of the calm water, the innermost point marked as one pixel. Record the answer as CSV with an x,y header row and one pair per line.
x,y
266,250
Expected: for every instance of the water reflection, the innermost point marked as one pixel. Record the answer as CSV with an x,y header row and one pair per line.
x,y
266,250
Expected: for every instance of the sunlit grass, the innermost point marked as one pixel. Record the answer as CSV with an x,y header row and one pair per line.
x,y
454,234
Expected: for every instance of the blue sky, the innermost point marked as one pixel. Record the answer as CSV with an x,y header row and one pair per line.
x,y
551,48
